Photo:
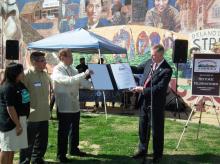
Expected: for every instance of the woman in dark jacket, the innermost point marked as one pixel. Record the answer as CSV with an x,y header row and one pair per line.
x,y
14,109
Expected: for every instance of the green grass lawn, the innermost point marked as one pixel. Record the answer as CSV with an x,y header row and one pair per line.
x,y
115,141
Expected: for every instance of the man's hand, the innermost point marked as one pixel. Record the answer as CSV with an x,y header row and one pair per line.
x,y
88,72
138,89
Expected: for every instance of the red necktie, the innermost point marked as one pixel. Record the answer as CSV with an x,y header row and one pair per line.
x,y
146,83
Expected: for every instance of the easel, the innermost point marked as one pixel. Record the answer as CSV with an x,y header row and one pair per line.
x,y
200,105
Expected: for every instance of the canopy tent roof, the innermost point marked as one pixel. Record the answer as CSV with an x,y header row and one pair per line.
x,y
80,41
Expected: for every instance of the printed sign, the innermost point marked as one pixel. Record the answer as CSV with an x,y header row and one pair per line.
x,y
206,75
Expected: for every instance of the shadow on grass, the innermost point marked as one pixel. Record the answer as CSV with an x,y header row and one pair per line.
x,y
102,158
87,116
187,158
167,159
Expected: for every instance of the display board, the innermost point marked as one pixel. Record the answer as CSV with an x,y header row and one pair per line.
x,y
206,74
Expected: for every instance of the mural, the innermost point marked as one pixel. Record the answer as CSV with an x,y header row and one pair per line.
x,y
163,15
53,16
136,25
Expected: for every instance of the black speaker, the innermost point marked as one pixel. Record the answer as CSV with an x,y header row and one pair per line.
x,y
12,49
180,49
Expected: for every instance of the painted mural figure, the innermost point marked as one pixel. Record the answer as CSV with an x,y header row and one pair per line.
x,y
11,23
163,16
154,38
216,48
93,19
120,14
186,68
142,44
116,16
10,13
168,41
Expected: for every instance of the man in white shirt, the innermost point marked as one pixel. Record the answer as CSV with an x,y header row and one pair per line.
x,y
67,82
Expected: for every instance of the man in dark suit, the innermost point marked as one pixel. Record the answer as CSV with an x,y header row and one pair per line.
x,y
158,72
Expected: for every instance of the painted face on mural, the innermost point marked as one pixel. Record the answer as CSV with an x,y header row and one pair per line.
x,y
116,2
93,10
161,5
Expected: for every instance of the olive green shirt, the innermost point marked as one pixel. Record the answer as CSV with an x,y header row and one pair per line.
x,y
38,83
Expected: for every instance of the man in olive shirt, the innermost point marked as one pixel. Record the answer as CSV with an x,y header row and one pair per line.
x,y
37,81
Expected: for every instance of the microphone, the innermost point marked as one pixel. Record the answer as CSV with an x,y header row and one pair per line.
x,y
151,68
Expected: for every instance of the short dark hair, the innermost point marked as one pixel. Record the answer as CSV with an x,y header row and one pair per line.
x,y
158,48
36,55
81,59
12,71
87,3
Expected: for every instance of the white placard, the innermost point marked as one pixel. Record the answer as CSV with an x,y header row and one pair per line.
x,y
100,78
123,76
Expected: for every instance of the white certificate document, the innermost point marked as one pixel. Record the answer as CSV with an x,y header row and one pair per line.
x,y
100,77
123,76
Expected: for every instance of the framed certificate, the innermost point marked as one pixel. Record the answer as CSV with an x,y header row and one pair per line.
x,y
112,76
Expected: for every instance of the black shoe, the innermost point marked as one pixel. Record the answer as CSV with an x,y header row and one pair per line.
x,y
140,154
78,153
64,159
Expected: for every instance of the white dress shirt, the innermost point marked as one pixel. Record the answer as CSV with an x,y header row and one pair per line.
x,y
67,82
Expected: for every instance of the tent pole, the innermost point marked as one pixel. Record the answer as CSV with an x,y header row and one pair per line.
x,y
103,92
99,56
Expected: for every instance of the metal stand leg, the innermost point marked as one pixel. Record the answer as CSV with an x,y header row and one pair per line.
x,y
217,116
106,114
186,125
176,100
177,107
213,105
200,118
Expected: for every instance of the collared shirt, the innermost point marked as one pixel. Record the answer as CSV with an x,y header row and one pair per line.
x,y
158,64
67,82
92,26
38,83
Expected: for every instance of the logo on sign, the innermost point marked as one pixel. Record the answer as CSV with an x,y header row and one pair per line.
x,y
206,65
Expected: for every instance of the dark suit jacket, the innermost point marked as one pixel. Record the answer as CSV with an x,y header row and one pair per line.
x,y
160,82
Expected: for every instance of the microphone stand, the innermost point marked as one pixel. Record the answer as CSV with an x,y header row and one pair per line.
x,y
151,94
